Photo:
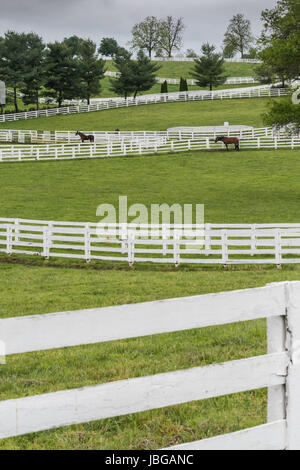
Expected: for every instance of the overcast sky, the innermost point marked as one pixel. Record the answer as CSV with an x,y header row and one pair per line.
x,y
205,20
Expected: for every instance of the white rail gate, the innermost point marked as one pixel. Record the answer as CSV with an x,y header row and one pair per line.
x,y
278,370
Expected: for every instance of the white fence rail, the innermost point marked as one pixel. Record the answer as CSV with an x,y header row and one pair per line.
x,y
191,59
100,105
229,81
136,146
192,82
34,136
279,370
275,244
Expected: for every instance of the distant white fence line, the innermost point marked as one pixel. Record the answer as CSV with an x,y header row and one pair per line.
x,y
34,136
278,370
191,59
192,82
112,103
136,146
225,244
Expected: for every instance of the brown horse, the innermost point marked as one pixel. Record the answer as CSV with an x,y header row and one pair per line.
x,y
84,137
229,140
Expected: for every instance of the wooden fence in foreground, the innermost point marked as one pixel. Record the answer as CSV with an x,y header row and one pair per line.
x,y
278,370
226,244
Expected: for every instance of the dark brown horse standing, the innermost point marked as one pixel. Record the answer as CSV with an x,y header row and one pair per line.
x,y
229,140
84,137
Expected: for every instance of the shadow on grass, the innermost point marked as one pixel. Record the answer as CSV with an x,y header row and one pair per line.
x,y
96,265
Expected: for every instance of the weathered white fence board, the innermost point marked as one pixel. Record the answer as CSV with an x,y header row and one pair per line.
x,y
293,380
279,369
57,330
276,338
41,412
270,436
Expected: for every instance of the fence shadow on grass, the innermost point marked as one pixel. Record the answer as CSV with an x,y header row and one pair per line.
x,y
95,265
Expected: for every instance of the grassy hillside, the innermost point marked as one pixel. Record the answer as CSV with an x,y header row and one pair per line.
x,y
246,187
156,116
184,69
250,186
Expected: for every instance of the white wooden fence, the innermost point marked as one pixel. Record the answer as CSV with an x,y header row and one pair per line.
x,y
100,105
192,82
191,59
278,370
176,81
137,146
226,244
34,136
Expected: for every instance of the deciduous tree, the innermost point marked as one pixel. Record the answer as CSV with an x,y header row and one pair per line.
x,y
170,34
108,47
238,37
280,39
145,35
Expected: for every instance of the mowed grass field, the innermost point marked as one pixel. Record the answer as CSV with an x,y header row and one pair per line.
x,y
184,69
249,186
106,91
153,117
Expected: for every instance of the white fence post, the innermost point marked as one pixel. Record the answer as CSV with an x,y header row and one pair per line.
x,y
276,336
9,240
46,242
87,243
293,378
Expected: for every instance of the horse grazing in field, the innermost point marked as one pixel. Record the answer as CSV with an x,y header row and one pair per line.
x,y
84,137
229,140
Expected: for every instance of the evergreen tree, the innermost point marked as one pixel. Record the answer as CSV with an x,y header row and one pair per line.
x,y
134,76
62,72
123,84
34,77
164,87
91,69
13,65
73,43
209,68
181,84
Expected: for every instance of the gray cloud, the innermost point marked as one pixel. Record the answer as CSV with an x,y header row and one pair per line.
x,y
56,19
